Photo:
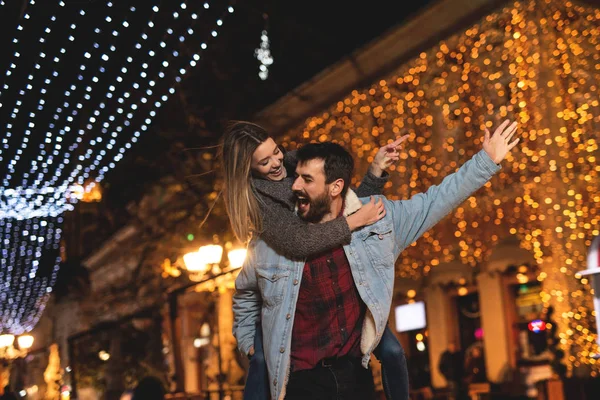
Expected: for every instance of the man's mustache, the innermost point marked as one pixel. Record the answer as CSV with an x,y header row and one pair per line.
x,y
300,194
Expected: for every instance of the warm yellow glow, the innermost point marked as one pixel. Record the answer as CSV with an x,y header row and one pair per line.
x,y
411,293
419,336
211,254
205,330
194,262
533,61
25,342
522,278
103,355
6,340
463,291
236,257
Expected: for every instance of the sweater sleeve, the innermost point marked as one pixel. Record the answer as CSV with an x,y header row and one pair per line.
x,y
294,238
372,185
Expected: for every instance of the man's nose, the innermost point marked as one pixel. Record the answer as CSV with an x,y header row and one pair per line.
x,y
296,185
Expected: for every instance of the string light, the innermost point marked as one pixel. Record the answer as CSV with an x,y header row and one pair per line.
x,y
263,53
46,195
26,246
535,62
82,128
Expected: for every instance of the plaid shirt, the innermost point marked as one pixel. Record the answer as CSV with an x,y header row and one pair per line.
x,y
329,312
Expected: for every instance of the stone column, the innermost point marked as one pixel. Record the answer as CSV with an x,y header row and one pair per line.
x,y
494,324
189,353
438,314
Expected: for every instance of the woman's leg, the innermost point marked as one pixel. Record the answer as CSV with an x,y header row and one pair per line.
x,y
394,371
257,383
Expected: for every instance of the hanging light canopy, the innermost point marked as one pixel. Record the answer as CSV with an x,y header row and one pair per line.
x,y
82,83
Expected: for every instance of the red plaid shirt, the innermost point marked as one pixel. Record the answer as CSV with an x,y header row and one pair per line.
x,y
329,312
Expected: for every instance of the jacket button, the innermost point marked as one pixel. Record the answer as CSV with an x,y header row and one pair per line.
x,y
282,349
295,281
288,316
380,237
274,277
275,382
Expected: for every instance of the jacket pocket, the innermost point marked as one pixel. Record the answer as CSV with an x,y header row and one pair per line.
x,y
271,282
379,243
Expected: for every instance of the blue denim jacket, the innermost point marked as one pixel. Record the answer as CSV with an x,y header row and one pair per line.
x,y
268,284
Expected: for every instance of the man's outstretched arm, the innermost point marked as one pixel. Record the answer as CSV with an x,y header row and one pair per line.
x,y
412,218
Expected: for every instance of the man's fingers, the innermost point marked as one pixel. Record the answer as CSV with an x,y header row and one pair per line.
x,y
510,135
503,125
513,144
511,129
486,137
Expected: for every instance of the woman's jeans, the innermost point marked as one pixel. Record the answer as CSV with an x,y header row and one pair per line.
x,y
257,383
389,352
394,371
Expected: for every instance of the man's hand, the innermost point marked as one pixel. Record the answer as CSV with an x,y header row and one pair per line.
x,y
498,145
386,156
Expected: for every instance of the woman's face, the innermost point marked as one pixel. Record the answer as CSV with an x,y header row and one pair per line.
x,y
267,161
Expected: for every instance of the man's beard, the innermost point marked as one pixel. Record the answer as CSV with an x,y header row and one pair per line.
x,y
319,207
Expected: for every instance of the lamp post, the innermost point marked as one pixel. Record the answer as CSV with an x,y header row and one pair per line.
x,y
209,260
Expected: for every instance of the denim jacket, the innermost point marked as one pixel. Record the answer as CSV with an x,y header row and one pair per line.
x,y
267,286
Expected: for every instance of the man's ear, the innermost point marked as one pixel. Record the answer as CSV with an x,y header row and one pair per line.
x,y
336,187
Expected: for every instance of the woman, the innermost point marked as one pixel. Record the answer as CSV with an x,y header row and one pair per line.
x,y
258,194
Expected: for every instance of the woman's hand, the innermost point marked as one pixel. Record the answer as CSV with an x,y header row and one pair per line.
x,y
368,214
386,156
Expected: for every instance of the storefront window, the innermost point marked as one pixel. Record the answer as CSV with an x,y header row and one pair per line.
x,y
529,324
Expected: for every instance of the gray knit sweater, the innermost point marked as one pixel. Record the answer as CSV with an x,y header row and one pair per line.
x,y
292,237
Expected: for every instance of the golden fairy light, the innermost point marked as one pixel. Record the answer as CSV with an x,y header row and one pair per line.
x,y
539,63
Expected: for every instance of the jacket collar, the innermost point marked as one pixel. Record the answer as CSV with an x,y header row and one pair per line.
x,y
351,203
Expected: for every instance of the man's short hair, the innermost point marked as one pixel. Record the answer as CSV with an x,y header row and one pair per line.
x,y
338,162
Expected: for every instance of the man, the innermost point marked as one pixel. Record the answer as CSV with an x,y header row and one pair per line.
x,y
323,318
451,365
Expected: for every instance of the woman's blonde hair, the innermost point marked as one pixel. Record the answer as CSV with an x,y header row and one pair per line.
x,y
239,142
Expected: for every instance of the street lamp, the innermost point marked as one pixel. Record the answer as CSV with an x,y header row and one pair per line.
x,y
236,258
7,349
209,258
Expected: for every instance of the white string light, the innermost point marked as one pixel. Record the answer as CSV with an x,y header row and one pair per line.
x,y
151,114
57,203
23,244
263,53
31,204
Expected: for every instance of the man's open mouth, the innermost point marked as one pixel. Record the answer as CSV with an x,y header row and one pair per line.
x,y
303,203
